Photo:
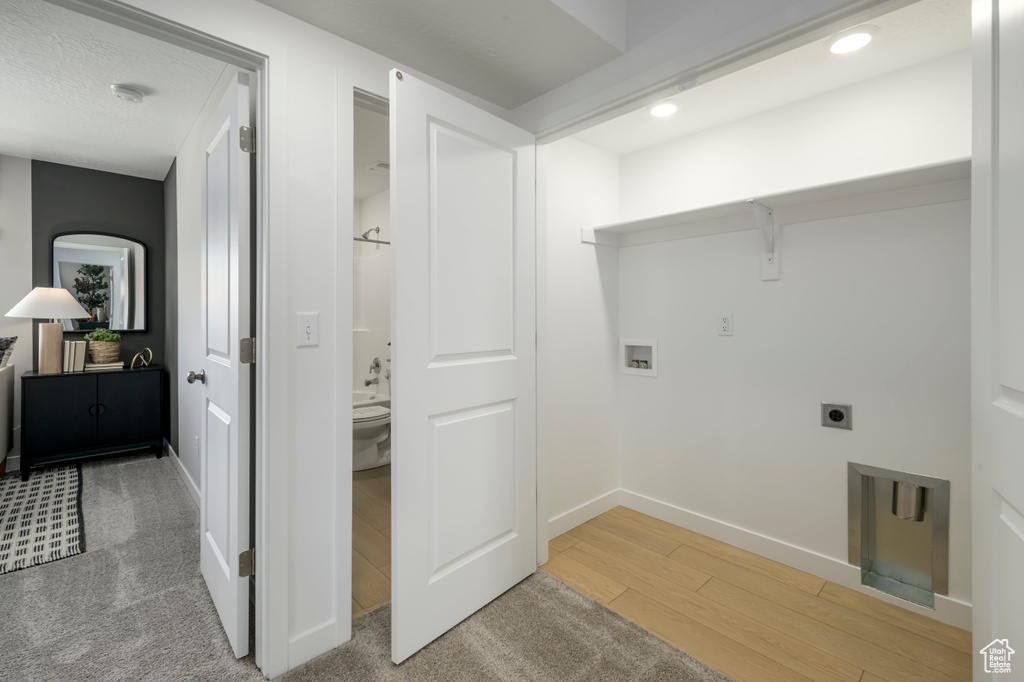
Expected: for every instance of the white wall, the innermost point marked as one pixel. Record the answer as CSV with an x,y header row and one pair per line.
x,y
189,168
919,116
577,322
372,291
870,310
16,271
306,159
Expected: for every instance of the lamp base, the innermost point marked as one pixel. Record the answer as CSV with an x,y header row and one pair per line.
x,y
51,347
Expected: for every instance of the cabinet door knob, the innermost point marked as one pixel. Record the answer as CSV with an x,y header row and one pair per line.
x,y
194,376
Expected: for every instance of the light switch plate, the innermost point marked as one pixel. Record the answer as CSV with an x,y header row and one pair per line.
x,y
307,329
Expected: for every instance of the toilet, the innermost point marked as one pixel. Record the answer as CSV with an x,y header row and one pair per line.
x,y
371,437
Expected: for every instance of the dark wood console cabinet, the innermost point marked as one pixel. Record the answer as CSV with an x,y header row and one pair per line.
x,y
74,416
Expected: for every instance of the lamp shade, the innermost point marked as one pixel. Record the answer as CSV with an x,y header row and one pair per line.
x,y
49,303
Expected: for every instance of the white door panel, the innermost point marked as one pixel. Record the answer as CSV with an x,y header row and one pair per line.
x,y
464,360
224,438
997,334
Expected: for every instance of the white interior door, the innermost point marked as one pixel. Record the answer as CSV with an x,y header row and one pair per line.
x,y
997,344
464,359
224,428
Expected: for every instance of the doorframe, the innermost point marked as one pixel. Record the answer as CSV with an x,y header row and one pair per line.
x,y
268,563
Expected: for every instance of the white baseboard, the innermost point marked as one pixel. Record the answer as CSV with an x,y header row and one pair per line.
x,y
947,610
190,484
582,513
311,643
14,456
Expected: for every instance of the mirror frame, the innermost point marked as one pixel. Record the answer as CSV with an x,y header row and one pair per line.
x,y
145,273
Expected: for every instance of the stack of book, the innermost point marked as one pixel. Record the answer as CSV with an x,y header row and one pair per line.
x,y
74,356
103,366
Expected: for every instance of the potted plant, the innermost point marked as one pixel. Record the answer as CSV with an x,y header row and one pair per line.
x,y
92,288
104,346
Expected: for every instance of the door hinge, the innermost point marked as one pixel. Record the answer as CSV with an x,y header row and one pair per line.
x,y
247,139
247,563
247,349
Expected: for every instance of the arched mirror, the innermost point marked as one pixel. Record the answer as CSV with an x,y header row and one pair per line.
x,y
107,275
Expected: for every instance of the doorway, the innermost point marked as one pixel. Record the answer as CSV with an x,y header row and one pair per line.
x,y
371,354
176,78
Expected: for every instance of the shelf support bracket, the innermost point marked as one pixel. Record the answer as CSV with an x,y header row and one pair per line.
x,y
769,239
589,235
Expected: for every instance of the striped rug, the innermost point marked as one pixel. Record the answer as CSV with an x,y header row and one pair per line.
x,y
41,518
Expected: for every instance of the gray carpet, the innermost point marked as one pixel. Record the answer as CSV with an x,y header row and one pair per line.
x,y
134,607
539,630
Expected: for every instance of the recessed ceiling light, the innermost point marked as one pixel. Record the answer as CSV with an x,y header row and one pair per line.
x,y
851,39
127,93
664,109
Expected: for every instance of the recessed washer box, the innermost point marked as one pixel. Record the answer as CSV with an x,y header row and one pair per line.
x,y
639,356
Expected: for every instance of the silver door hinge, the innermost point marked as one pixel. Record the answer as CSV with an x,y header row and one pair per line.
x,y
247,563
247,349
247,139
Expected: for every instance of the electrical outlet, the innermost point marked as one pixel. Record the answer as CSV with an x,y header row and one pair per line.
x,y
197,445
837,416
725,325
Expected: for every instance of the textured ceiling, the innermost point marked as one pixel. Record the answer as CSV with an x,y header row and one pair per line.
x,y
56,68
912,35
505,52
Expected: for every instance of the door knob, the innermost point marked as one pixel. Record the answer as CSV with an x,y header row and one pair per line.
x,y
193,376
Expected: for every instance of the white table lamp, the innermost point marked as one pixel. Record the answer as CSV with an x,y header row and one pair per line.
x,y
49,303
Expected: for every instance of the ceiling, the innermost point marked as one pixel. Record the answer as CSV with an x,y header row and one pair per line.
x,y
56,69
505,52
912,35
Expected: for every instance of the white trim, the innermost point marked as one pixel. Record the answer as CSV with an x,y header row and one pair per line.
x,y
344,288
541,312
311,643
182,27
947,610
183,474
583,513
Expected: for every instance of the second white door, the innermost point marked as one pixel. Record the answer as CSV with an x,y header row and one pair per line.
x,y
463,486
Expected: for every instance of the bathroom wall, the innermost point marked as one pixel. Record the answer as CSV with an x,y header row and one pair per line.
x,y
372,291
919,116
577,313
870,310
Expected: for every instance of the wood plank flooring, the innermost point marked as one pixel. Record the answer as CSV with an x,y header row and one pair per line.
x,y
751,618
371,539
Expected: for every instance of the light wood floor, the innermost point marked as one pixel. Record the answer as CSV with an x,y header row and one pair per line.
x,y
371,539
747,616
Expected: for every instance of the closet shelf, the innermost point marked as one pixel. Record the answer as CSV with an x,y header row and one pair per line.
x,y
915,187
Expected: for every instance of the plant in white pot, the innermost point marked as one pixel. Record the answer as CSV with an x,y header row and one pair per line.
x,y
104,346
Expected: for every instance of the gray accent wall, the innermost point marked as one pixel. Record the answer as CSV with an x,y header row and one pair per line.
x,y
171,296
70,199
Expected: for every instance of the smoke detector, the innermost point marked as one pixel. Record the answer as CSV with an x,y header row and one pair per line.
x,y
127,93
